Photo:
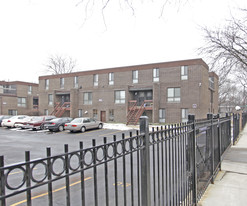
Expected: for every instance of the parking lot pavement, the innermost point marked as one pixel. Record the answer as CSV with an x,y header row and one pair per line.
x,y
14,142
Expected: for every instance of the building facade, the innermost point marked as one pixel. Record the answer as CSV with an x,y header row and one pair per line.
x,y
18,98
165,92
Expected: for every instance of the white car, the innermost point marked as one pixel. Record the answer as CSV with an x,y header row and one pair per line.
x,y
12,120
21,122
83,124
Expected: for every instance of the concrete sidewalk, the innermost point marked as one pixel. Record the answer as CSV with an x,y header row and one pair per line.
x,y
230,186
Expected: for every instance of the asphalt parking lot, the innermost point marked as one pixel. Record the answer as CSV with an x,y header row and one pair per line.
x,y
14,142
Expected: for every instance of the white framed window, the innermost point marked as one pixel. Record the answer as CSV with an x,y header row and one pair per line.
x,y
111,114
162,115
80,113
95,80
184,72
184,115
12,112
76,83
50,99
111,78
29,90
135,76
21,102
156,74
46,112
87,98
173,95
61,83
95,113
211,82
119,97
46,84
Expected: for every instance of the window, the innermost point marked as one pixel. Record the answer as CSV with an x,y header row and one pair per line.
x,y
95,113
9,89
21,102
29,91
156,74
35,102
162,115
184,72
50,99
12,112
111,78
61,83
79,112
211,83
46,84
111,114
184,115
95,80
173,94
135,76
87,98
119,97
46,112
76,84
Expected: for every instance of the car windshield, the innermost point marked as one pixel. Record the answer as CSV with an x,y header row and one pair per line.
x,y
77,120
56,120
37,119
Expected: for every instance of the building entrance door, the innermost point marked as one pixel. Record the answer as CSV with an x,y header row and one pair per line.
x,y
102,116
65,98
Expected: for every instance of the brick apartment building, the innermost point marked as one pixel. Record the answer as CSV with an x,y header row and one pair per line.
x,y
165,92
18,98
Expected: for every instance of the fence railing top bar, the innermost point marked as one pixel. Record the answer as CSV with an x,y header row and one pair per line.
x,y
62,155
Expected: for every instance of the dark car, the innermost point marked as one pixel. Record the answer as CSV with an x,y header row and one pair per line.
x,y
57,124
3,117
38,122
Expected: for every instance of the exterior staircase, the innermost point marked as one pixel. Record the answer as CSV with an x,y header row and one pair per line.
x,y
135,112
60,109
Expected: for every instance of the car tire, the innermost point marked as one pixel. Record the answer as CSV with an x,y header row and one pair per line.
x,y
83,129
50,130
100,126
60,128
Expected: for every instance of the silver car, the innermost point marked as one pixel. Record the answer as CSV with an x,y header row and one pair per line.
x,y
83,124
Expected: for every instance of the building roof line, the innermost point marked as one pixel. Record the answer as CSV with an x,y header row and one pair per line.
x,y
198,61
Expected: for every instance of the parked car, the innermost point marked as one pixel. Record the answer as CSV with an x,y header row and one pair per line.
x,y
83,124
2,117
38,122
12,120
21,123
57,124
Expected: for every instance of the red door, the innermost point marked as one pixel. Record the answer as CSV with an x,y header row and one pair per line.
x,y
102,116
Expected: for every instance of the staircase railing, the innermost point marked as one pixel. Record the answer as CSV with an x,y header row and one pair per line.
x,y
60,109
135,111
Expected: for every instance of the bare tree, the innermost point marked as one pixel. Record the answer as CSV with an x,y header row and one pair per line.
x,y
59,64
226,48
90,6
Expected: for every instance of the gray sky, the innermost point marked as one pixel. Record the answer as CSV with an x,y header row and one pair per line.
x,y
33,30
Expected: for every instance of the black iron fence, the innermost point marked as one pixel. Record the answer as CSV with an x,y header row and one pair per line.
x,y
239,120
170,165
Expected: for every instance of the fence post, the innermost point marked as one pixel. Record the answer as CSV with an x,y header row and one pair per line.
x,y
2,182
210,117
145,162
191,120
219,140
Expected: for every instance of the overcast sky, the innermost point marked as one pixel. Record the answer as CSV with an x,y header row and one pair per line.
x,y
33,30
